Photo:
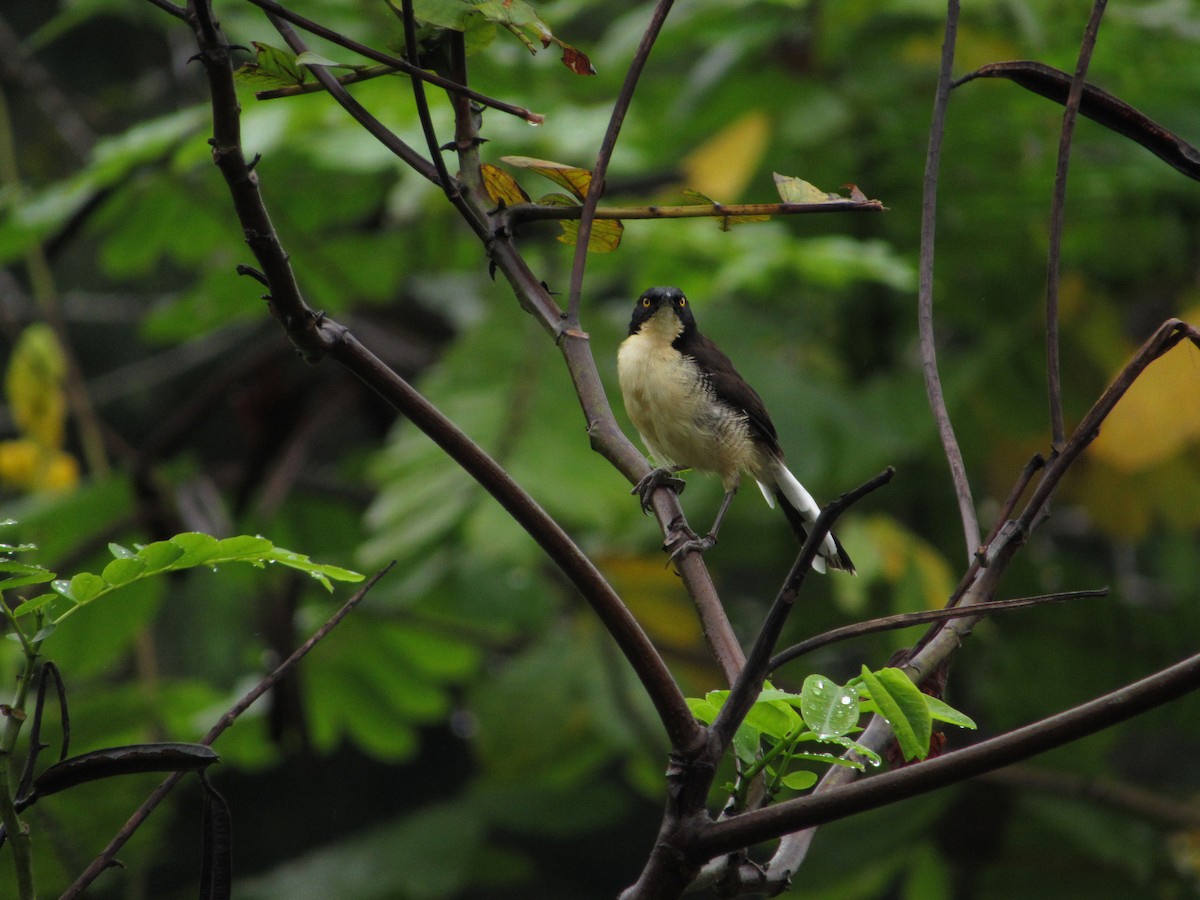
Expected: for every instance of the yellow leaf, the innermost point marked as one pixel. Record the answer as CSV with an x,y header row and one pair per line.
x,y
1159,416
572,178
34,385
725,163
29,466
502,187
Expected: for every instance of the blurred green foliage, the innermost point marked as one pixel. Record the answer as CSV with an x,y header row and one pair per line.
x,y
470,731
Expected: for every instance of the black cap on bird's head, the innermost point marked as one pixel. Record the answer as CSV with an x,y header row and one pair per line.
x,y
670,300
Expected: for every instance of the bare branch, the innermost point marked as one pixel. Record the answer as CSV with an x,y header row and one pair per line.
x,y
607,145
1057,208
933,381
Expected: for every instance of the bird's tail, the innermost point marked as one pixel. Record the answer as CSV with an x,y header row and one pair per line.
x,y
801,511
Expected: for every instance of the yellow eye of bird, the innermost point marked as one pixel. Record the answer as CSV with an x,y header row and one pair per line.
x,y
646,302
682,301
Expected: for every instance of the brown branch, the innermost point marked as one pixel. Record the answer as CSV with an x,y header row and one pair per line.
x,y
933,381
604,155
108,855
1057,209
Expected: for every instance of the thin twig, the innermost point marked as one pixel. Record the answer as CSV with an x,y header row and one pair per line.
x,y
1057,207
607,145
933,381
521,213
106,857
448,184
907,620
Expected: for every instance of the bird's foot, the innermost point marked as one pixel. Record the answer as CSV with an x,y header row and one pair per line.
x,y
681,540
645,488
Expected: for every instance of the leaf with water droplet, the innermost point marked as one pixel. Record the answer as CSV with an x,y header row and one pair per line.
x,y
827,707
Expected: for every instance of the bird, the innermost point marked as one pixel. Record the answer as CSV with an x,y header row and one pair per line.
x,y
694,410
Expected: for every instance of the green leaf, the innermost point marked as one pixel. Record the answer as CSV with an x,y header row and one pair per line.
x,y
903,705
86,586
22,574
120,552
799,781
272,68
244,546
702,709
123,570
34,604
160,554
450,14
197,548
942,711
828,708
746,743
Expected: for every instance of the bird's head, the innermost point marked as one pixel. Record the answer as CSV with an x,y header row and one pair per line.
x,y
665,311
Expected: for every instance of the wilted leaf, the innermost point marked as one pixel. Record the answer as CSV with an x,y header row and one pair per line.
x,y
502,187
797,190
572,178
576,60
605,236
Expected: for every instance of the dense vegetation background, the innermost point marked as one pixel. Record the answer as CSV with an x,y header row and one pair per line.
x,y
470,731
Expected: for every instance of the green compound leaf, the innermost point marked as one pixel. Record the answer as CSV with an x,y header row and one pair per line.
x,y
184,551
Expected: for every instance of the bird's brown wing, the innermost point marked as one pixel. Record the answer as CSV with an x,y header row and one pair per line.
x,y
731,388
